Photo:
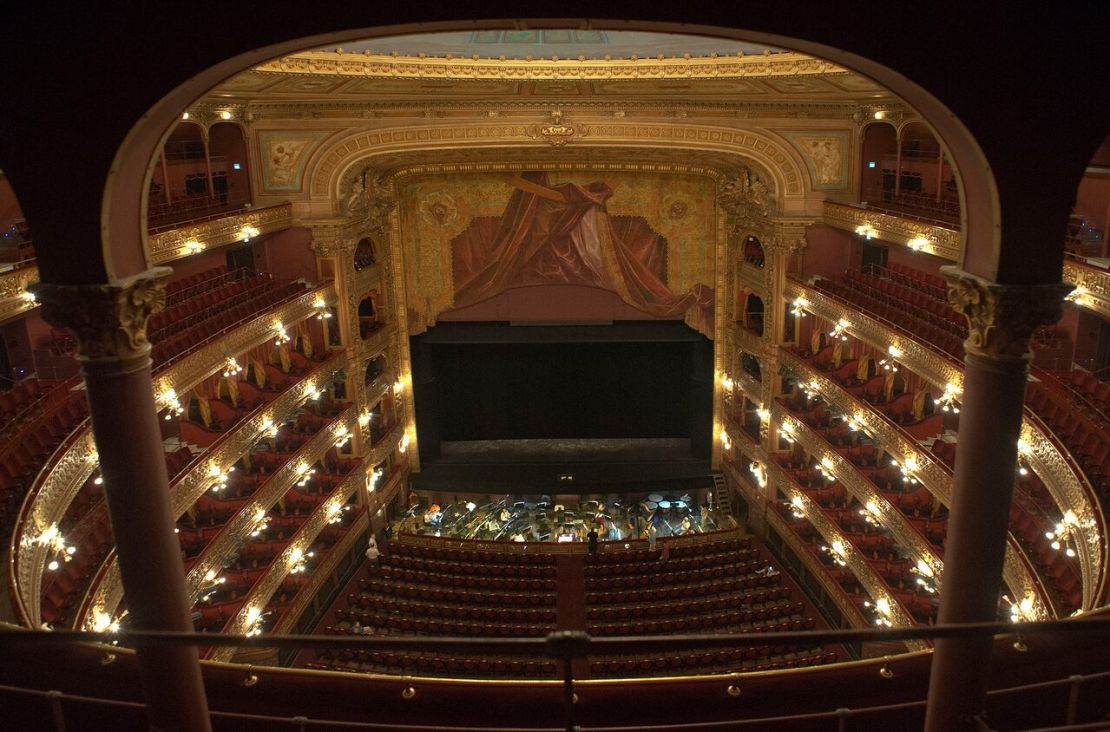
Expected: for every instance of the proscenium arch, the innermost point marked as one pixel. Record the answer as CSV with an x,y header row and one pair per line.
x,y
330,166
123,208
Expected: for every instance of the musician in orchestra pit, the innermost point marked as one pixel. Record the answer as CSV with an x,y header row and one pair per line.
x,y
591,537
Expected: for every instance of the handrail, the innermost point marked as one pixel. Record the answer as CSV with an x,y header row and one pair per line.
x,y
166,218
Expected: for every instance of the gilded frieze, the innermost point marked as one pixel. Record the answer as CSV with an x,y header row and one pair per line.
x,y
940,241
13,291
1092,286
180,242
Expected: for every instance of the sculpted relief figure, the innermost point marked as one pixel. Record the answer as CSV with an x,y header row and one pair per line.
x,y
825,153
745,194
369,197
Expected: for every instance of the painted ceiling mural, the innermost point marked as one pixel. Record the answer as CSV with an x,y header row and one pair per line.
x,y
648,237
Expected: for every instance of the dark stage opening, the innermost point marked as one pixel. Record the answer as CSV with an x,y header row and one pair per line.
x,y
563,406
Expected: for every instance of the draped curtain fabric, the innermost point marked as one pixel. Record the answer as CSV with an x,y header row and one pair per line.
x,y
563,235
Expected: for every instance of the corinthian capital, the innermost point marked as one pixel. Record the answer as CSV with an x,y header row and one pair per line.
x,y
1001,318
110,319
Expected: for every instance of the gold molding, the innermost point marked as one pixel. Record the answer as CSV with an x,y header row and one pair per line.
x,y
45,508
860,488
1092,286
369,65
931,473
169,245
832,589
940,241
263,590
753,278
334,161
13,286
1071,490
304,596
917,357
856,563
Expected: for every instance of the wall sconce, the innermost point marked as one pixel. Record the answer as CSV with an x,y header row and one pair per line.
x,y
298,560
261,522
342,436
726,442
304,471
102,622
838,553
1063,534
373,479
1080,296
948,400
231,367
169,402
364,418
871,513
322,312
811,389
839,328
798,307
249,232
797,507
759,473
1023,610
52,539
926,576
786,429
404,442
280,335
891,364
268,427
763,414
727,383
825,467
867,231
918,243
220,477
29,298
881,608
193,247
254,624
225,115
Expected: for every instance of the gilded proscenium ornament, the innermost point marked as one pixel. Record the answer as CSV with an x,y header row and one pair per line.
x,y
556,131
333,63
1001,318
109,319
173,244
945,242
368,198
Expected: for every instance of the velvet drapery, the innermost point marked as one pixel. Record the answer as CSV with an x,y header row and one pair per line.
x,y
564,235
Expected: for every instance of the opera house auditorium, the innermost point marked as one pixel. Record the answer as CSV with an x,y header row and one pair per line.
x,y
553,375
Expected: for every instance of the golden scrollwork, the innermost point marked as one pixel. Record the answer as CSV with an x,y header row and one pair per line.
x,y
1092,286
833,591
333,63
941,241
13,290
937,479
855,563
1002,318
917,357
109,320
180,242
860,488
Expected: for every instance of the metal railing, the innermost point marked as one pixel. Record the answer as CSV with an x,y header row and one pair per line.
x,y
566,647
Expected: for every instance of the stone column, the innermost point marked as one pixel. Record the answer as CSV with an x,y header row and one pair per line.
x,y
1001,320
110,322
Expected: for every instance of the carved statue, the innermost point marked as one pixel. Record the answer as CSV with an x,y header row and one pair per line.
x,y
369,197
746,195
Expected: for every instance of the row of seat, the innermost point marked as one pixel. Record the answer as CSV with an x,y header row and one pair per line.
x,y
477,569
224,319
715,601
731,660
455,595
367,604
203,305
731,621
185,287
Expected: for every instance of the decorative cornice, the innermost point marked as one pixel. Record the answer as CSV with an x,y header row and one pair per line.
x,y
181,242
350,151
14,290
1092,286
1002,318
333,63
941,241
332,237
109,320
